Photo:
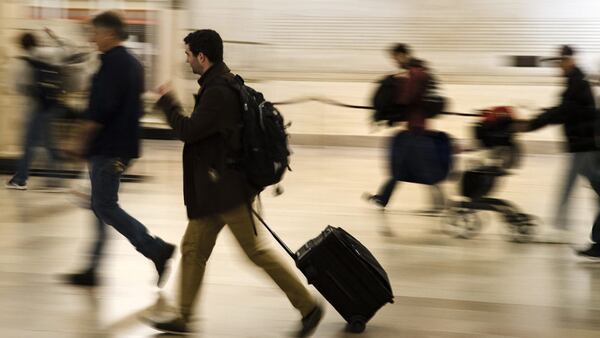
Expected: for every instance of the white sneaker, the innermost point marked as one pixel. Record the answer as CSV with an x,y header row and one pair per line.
x,y
15,186
550,235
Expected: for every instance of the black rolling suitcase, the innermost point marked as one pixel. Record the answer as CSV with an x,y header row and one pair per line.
x,y
344,272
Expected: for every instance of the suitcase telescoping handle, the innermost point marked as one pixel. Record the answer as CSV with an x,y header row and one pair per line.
x,y
281,242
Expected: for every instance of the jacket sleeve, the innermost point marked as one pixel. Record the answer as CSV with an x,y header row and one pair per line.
x,y
554,115
572,102
201,124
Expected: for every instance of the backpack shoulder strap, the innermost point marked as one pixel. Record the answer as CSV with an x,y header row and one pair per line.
x,y
234,82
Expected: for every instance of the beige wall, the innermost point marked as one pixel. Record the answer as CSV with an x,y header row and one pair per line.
x,y
336,49
347,38
11,114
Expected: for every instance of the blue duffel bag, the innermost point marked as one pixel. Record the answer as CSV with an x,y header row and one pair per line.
x,y
423,157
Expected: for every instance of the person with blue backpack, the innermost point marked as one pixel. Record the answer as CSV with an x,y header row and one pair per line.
x,y
235,145
417,154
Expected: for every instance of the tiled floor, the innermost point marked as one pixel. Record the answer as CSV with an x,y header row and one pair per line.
x,y
444,287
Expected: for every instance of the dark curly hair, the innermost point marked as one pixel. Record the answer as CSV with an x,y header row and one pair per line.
x,y
207,42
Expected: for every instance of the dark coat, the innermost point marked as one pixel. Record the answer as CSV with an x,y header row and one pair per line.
x,y
576,112
212,138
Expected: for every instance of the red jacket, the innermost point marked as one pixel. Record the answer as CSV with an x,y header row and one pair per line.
x,y
410,94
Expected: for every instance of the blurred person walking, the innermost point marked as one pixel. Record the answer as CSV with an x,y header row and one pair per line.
x,y
578,115
216,192
401,97
37,78
110,141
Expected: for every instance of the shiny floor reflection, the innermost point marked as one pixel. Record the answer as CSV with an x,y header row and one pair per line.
x,y
444,287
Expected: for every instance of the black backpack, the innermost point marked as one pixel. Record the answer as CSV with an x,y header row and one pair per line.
x,y
383,101
433,103
48,82
265,153
387,110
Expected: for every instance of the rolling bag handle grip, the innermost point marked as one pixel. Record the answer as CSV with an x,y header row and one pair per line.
x,y
283,245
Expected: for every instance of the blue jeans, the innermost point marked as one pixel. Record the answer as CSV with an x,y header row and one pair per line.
x,y
105,175
38,132
588,165
562,209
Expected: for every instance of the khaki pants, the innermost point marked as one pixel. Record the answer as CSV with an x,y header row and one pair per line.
x,y
199,240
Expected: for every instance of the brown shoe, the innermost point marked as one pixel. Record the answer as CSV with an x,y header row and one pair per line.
x,y
310,322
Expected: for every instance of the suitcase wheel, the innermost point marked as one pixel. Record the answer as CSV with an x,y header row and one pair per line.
x,y
357,324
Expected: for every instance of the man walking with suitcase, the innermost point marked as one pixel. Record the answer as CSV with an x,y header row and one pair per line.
x,y
216,193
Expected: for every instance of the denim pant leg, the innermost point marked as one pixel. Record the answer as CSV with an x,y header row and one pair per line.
x,y
47,136
561,215
105,176
97,249
590,169
596,227
385,192
31,139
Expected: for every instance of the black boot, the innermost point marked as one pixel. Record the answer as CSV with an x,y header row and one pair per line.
x,y
592,252
86,278
162,263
